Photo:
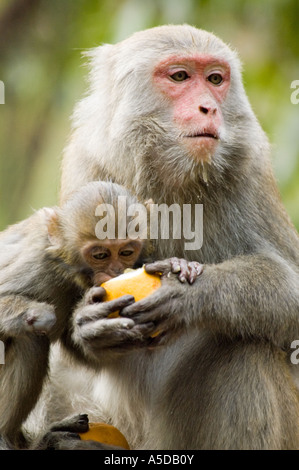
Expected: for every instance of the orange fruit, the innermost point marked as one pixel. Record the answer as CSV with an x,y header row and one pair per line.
x,y
105,433
136,282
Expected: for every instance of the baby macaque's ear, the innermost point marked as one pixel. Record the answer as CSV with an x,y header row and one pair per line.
x,y
53,226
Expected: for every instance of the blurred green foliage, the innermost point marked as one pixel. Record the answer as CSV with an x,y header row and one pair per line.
x,y
41,66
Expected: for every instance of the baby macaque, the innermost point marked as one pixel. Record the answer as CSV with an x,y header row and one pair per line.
x,y
47,262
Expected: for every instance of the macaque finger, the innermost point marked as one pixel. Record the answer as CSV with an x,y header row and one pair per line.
x,y
175,265
76,423
153,315
118,304
118,334
139,334
102,326
162,267
184,270
147,304
94,294
195,269
98,311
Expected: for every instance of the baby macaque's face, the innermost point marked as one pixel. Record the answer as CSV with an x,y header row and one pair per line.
x,y
109,258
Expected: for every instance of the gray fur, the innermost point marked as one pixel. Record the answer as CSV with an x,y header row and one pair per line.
x,y
221,378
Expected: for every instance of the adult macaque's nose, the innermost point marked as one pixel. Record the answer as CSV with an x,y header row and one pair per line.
x,y
207,109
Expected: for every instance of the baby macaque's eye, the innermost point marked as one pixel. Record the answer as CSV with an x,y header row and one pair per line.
x,y
99,253
126,253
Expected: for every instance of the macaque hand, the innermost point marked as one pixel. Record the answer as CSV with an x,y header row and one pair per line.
x,y
64,435
95,331
171,307
186,270
39,318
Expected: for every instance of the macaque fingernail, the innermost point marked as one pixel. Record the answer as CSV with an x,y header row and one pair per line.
x,y
176,269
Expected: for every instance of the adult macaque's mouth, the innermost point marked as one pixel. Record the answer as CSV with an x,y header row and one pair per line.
x,y
204,134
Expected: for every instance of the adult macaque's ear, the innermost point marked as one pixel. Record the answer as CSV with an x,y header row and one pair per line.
x,y
54,229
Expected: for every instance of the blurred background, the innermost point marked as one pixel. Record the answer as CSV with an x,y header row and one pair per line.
x,y
41,66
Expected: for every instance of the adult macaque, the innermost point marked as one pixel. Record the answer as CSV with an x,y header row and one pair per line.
x,y
47,262
167,116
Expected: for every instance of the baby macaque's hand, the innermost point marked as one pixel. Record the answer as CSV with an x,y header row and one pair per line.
x,y
94,330
186,270
39,318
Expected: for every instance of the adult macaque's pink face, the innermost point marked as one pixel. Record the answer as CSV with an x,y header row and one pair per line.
x,y
196,86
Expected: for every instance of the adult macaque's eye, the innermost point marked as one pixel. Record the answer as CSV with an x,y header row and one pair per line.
x,y
215,78
179,76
